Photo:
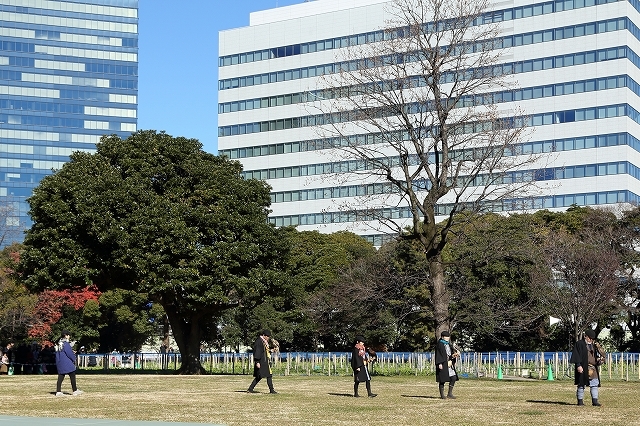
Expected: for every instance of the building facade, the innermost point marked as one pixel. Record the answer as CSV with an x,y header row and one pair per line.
x,y
576,63
69,74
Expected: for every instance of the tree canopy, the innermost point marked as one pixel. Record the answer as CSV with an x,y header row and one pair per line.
x,y
157,215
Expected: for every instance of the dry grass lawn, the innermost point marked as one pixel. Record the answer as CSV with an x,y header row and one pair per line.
x,y
317,401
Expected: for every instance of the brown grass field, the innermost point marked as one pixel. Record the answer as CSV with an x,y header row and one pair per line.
x,y
318,400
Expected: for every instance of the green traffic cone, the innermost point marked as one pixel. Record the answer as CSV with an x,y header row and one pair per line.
x,y
499,372
549,373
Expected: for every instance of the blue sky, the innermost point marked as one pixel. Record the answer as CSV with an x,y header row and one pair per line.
x,y
178,62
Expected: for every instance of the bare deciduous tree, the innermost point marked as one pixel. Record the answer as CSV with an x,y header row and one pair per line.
x,y
16,303
629,293
10,226
417,110
379,297
585,282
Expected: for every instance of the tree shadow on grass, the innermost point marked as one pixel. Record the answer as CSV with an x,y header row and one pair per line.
x,y
535,401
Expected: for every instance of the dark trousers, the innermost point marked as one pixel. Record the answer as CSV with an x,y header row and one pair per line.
x,y
367,384
257,379
72,376
452,382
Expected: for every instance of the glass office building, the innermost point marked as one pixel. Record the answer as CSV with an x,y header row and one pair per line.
x,y
69,74
576,62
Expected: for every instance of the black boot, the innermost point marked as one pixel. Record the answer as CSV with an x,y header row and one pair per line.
x,y
580,402
596,403
355,390
253,385
441,388
270,384
369,393
450,394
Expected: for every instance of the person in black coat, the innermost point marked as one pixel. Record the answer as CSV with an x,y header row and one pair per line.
x,y
359,365
445,360
587,356
261,362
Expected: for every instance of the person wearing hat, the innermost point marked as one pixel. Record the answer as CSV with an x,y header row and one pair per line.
x,y
261,362
587,356
445,360
359,365
66,364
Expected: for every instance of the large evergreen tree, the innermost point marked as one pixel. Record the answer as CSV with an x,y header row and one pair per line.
x,y
157,215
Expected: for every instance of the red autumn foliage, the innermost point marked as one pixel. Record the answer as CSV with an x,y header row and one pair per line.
x,y
49,308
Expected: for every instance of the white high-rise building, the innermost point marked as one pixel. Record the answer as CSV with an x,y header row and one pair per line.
x,y
577,67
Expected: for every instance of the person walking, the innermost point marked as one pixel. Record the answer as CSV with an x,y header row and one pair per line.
x,y
445,360
359,365
66,364
4,363
262,362
5,358
587,356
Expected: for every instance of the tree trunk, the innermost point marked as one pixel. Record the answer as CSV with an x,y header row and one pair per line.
x,y
576,331
439,294
188,336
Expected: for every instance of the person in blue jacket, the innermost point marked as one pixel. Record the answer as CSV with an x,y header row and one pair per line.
x,y
66,364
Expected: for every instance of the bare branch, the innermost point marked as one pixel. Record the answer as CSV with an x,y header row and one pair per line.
x,y
415,110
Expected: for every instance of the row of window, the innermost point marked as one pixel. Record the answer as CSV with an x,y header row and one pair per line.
x,y
34,120
77,38
74,52
21,177
10,75
537,147
71,123
19,191
536,92
67,94
91,12
70,35
49,107
22,47
560,33
64,141
47,35
82,23
542,119
110,68
101,68
12,46
38,78
31,120
379,239
30,164
19,61
28,150
82,7
347,116
556,173
375,36
123,84
84,95
31,136
541,202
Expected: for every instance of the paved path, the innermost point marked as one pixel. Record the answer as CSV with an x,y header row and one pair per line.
x,y
40,421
